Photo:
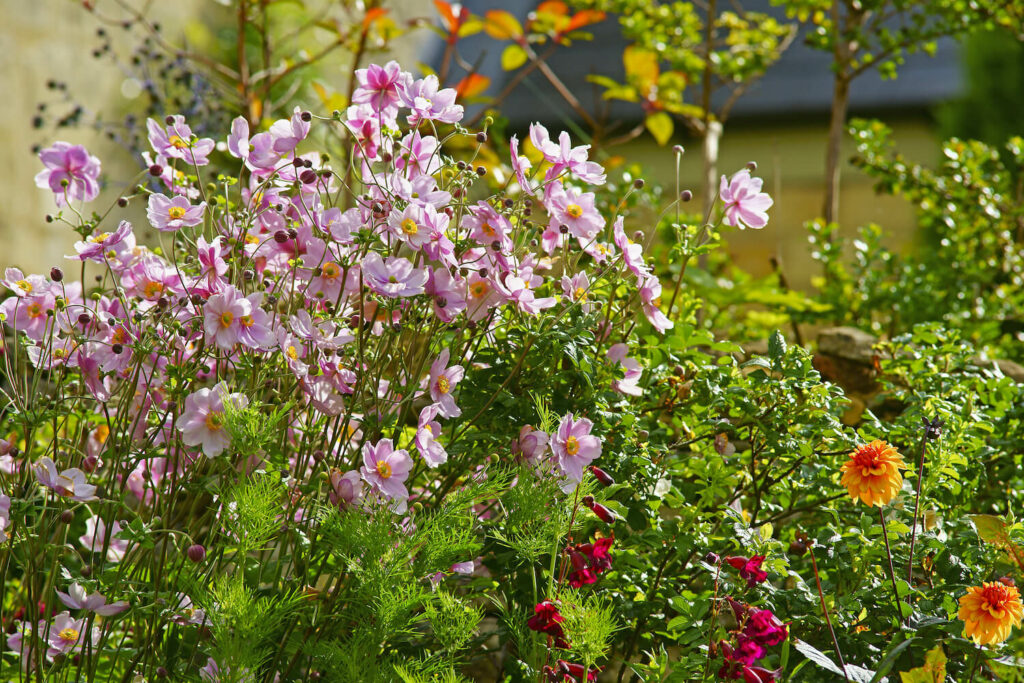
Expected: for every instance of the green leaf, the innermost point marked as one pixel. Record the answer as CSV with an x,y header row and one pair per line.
x,y
933,671
660,126
776,346
513,57
991,529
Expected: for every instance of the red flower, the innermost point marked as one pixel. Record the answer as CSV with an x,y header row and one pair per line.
x,y
567,671
766,628
547,620
749,569
589,560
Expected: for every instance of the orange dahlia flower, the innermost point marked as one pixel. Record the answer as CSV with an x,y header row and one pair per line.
x,y
990,611
873,473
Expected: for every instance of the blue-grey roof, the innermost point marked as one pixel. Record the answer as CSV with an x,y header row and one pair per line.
x,y
799,84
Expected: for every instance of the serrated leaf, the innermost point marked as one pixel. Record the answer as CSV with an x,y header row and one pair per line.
x,y
513,57
776,346
660,126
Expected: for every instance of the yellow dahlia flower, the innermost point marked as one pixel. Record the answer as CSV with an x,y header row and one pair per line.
x,y
873,473
990,611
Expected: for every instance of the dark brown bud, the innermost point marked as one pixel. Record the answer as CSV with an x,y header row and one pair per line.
x,y
196,553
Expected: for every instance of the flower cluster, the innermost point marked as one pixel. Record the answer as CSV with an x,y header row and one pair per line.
x,y
757,630
341,327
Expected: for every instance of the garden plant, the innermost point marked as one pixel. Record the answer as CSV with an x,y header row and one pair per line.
x,y
354,382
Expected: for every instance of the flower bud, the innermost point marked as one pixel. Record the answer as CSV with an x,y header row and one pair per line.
x,y
588,501
603,513
155,170
638,184
67,516
481,137
56,274
169,120
122,202
686,195
196,553
712,558
90,463
601,475
280,237
306,116
751,165
308,177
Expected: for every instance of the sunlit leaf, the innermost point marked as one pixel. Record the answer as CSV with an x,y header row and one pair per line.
x,y
502,25
513,57
660,126
933,671
472,85
641,67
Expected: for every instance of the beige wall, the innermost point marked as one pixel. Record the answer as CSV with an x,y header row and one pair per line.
x,y
45,39
790,158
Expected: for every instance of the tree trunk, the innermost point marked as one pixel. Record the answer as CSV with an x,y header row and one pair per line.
x,y
712,134
833,164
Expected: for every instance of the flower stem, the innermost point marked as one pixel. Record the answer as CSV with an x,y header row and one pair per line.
x,y
932,429
892,572
824,610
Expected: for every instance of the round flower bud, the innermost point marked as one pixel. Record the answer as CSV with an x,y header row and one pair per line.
x,y
481,137
56,274
638,184
280,237
751,165
686,195
196,553
67,516
306,116
169,120
308,177
90,463
122,202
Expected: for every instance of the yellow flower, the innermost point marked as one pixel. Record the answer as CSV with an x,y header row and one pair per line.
x,y
990,611
873,473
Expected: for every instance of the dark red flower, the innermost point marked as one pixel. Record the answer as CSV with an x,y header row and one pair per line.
x,y
547,620
756,674
765,628
749,569
589,560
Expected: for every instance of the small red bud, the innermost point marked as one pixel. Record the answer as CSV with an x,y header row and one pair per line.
x,y
196,553
601,475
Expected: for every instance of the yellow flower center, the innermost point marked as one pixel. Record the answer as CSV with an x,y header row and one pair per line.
x,y
580,293
252,239
574,210
96,239
101,433
384,470
572,446
246,321
292,353
35,310
331,270
409,227
442,384
24,285
68,635
152,290
177,142
226,318
120,336
176,212
214,421
478,289
488,230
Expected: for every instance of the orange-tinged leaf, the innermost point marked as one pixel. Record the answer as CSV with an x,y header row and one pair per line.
x,y
641,67
472,85
502,25
373,15
583,18
553,7
445,10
